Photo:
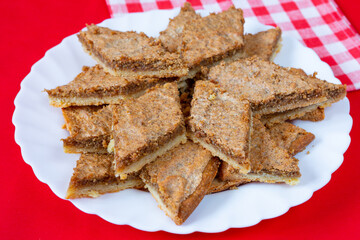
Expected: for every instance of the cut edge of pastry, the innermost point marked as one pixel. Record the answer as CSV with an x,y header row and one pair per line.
x,y
181,139
100,188
293,114
159,73
243,168
276,50
63,102
219,186
74,149
269,178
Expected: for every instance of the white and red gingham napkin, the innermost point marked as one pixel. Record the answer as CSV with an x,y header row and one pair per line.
x,y
319,24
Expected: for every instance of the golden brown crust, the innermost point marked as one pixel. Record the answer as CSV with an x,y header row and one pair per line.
x,y
290,137
271,88
95,85
266,158
316,115
143,125
131,53
221,123
189,205
94,175
262,44
89,128
296,113
212,38
171,37
180,179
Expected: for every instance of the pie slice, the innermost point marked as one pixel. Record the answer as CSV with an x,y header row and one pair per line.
x,y
313,112
130,54
89,128
170,38
94,86
286,135
265,44
290,137
146,127
94,175
221,123
269,162
273,89
179,179
210,39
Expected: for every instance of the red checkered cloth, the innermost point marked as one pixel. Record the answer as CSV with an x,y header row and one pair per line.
x,y
319,24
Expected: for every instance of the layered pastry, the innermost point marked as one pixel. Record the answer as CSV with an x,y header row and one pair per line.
x,y
89,128
265,44
171,37
286,136
146,127
130,54
94,86
221,123
290,137
206,40
179,179
94,175
273,91
268,162
316,115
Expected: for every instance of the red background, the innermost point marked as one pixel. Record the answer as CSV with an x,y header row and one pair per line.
x,y
28,208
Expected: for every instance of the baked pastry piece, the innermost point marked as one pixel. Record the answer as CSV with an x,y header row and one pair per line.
x,y
290,137
269,162
210,39
220,122
265,44
286,135
272,89
94,86
171,37
146,127
179,179
130,54
89,128
94,175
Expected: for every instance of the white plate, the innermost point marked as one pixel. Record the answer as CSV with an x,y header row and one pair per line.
x,y
38,132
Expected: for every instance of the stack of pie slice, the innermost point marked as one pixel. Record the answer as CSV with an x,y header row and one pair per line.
x,y
198,110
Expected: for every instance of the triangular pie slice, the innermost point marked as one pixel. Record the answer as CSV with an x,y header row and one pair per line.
x,y
315,112
94,175
221,122
89,128
286,135
265,44
130,54
290,137
94,86
269,162
170,38
273,89
208,40
179,179
146,127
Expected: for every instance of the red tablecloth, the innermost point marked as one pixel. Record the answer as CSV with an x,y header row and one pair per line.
x,y
28,208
